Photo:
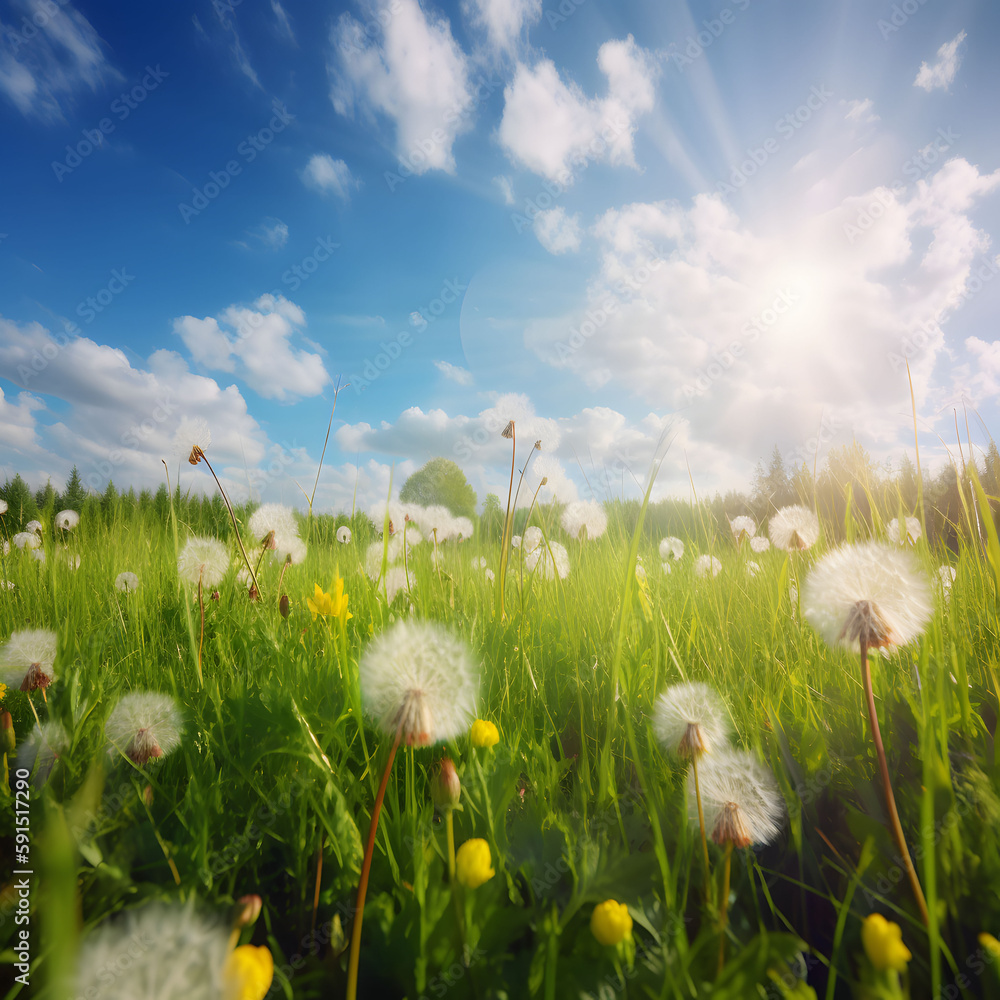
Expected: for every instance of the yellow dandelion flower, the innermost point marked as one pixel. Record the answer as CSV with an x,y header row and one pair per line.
x,y
248,973
327,606
3,691
484,734
611,922
340,600
473,863
991,944
883,942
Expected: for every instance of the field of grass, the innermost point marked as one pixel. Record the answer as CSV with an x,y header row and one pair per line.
x,y
271,789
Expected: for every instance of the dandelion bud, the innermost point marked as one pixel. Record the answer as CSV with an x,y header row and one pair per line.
x,y
446,789
883,943
147,795
254,593
508,431
545,481
248,910
473,863
7,742
268,540
196,455
216,596
611,922
484,734
283,605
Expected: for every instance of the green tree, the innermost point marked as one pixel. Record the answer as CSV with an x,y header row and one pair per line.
x,y
442,482
21,506
75,493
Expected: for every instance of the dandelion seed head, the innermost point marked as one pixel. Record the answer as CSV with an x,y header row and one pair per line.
x,y
794,528
419,675
127,582
27,659
740,798
289,548
753,568
904,532
689,719
584,519
707,566
395,581
872,591
531,539
3,507
946,577
67,520
272,517
671,548
344,535
205,559
35,526
759,543
144,726
72,560
38,555
741,526
40,752
26,540
191,440
550,558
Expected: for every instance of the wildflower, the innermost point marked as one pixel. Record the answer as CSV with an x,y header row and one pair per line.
x,y
3,691
516,541
344,535
203,560
329,606
192,439
72,560
446,788
474,864
484,734
611,922
689,719
759,543
742,803
28,657
418,677
794,528
883,943
272,519
868,592
490,575
289,548
531,538
3,506
249,910
707,566
584,519
38,555
991,944
248,973
26,540
35,526
671,548
901,532
741,526
67,520
395,581
8,742
41,751
753,568
126,581
551,557
666,567
144,726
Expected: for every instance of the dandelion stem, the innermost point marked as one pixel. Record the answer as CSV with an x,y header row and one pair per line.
x,y
201,635
701,824
507,524
890,800
232,516
359,908
724,904
319,878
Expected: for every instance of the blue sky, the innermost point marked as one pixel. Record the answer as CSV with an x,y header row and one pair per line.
x,y
726,222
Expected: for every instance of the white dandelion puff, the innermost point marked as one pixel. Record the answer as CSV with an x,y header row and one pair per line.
x,y
490,577
515,541
753,568
759,543
3,507
794,528
667,568
67,520
872,593
740,797
26,540
38,555
671,548
204,559
289,548
393,551
144,726
689,719
707,566
272,518
395,581
741,526
420,677
531,539
902,532
191,440
40,752
584,519
172,951
127,582
344,535
27,659
35,526
946,577
72,560
550,558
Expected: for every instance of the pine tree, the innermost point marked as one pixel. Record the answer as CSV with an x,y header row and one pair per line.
x,y
21,506
74,494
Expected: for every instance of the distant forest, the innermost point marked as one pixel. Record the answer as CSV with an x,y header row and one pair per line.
x,y
850,487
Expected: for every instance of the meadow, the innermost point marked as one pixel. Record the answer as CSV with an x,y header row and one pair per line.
x,y
270,789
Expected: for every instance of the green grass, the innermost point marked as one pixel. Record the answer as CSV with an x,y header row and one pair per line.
x,y
578,802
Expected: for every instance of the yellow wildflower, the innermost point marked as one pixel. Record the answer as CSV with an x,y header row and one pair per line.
x,y
248,973
3,691
991,944
484,734
611,922
323,604
473,863
883,942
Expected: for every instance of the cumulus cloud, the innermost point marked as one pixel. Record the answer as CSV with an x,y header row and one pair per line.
x,y
255,344
503,182
553,129
860,112
504,21
329,176
941,72
48,54
454,372
557,231
415,74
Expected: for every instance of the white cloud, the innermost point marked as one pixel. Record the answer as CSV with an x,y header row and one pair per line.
x,y
327,175
860,112
255,344
457,374
42,72
416,75
506,188
504,20
271,233
281,19
942,72
553,129
558,232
